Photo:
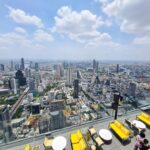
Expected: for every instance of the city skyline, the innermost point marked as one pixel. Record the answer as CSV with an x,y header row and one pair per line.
x,y
100,29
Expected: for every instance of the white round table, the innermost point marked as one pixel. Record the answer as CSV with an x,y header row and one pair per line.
x,y
59,143
105,134
139,124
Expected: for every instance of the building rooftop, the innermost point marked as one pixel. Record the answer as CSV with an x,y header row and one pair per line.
x,y
98,124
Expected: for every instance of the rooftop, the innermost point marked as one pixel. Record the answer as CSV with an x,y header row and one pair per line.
x,y
98,124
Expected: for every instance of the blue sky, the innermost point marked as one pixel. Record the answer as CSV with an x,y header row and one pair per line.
x,y
75,29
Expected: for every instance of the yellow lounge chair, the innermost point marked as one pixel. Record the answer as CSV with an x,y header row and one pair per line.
x,y
27,147
77,141
121,131
145,118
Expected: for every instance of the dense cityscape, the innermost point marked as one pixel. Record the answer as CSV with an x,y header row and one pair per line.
x,y
75,75
38,97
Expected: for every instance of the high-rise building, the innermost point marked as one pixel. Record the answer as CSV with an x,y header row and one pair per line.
x,y
44,124
57,120
117,69
132,89
31,84
27,73
69,77
21,78
76,88
94,64
17,67
14,85
5,124
37,78
36,66
97,66
12,65
57,105
22,66
2,68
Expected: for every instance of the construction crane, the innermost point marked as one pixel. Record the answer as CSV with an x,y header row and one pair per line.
x,y
18,103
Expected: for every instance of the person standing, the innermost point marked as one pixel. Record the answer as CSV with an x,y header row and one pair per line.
x,y
139,139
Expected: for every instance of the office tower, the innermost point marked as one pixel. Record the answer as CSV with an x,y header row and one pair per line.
x,y
132,89
37,78
69,77
61,70
22,66
94,64
31,84
76,88
12,65
2,68
58,75
57,120
35,108
27,73
21,78
57,105
36,66
97,81
17,67
5,124
97,65
117,69
44,123
14,85
78,75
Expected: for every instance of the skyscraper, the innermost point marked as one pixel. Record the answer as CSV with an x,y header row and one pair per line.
x,y
117,69
12,65
132,89
57,120
21,78
2,68
76,88
94,64
27,72
36,66
14,85
69,76
31,84
22,66
5,124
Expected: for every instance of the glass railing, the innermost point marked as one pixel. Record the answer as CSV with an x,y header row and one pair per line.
x,y
125,114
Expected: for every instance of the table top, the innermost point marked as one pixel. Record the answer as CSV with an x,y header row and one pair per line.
x,y
105,134
59,143
139,124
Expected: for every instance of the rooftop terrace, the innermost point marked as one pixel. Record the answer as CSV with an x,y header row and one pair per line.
x,y
98,124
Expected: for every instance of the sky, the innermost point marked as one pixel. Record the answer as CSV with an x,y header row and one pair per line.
x,y
75,29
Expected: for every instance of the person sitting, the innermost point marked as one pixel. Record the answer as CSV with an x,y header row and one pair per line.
x,y
144,145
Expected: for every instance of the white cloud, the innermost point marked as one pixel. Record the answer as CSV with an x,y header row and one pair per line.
x,y
22,17
20,43
133,14
80,26
42,36
142,40
20,30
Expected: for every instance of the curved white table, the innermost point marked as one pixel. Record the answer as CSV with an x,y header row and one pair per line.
x,y
59,143
105,134
139,124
